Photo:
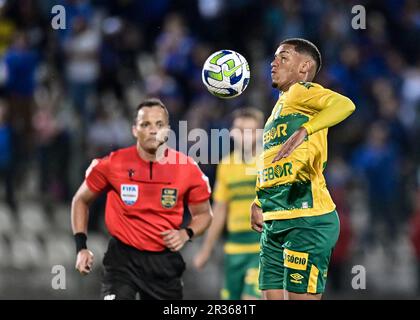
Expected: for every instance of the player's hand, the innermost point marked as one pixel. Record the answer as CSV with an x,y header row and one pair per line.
x,y
200,259
291,144
256,218
84,261
174,239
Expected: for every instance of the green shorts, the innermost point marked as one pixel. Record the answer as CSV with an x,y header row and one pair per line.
x,y
295,253
241,276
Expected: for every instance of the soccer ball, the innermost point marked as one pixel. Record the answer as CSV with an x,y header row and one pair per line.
x,y
226,74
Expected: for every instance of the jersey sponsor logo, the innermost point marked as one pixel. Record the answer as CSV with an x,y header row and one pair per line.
x,y
275,172
275,132
296,278
168,198
129,193
295,260
281,127
110,297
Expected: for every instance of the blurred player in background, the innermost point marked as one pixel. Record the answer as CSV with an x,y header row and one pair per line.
x,y
234,192
293,208
147,185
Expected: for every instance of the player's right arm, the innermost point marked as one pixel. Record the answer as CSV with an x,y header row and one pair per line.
x,y
256,217
221,197
91,187
214,232
79,222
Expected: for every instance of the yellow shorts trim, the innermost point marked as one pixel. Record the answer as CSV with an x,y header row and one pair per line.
x,y
313,279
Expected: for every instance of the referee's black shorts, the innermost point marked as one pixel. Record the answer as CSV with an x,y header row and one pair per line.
x,y
128,271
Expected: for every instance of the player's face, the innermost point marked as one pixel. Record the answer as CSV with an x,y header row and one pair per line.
x,y
151,128
285,67
244,131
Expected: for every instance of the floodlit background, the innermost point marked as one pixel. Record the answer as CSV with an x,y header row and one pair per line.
x,y
67,96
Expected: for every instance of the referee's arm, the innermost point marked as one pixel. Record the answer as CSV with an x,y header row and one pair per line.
x,y
79,223
201,216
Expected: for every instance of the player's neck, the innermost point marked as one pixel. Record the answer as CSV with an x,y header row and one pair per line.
x,y
287,86
155,155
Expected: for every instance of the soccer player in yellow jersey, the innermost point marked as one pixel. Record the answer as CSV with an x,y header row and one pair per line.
x,y
234,193
293,208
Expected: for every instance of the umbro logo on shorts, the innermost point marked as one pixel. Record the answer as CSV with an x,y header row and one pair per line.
x,y
296,278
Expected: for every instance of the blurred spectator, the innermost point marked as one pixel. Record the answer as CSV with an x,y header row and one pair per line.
x,y
82,63
29,20
338,178
7,157
389,109
53,154
7,28
21,63
379,163
173,49
414,232
110,56
74,10
107,132
411,95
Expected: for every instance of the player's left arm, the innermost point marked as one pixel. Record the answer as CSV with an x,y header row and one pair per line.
x,y
330,108
201,217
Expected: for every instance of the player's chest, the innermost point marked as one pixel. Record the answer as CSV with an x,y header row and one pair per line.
x,y
152,182
285,119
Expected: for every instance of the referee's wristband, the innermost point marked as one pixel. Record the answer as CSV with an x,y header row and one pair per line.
x,y
190,233
80,239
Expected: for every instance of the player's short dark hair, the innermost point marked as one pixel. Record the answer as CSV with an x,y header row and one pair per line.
x,y
305,46
148,103
249,112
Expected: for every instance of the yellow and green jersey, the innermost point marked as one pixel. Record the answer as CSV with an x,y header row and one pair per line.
x,y
235,186
295,186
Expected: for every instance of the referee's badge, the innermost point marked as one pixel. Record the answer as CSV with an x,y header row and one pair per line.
x,y
168,198
129,193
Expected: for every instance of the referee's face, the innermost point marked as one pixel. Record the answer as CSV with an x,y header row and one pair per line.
x,y
151,128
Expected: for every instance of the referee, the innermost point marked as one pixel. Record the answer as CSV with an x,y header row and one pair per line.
x,y
147,185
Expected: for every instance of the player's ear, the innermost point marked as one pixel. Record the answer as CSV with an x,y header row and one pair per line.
x,y
306,66
134,131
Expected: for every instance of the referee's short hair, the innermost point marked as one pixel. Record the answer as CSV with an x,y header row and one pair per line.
x,y
148,103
